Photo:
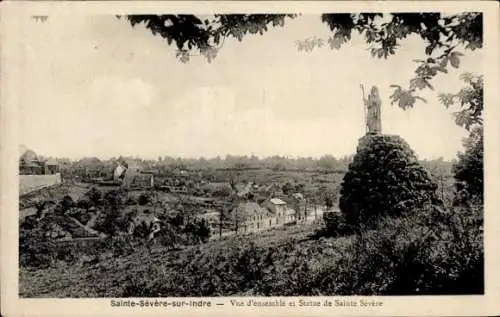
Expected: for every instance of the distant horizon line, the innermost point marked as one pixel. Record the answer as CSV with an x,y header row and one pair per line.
x,y
223,157
24,148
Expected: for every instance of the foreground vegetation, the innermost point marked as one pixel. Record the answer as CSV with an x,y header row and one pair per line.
x,y
430,252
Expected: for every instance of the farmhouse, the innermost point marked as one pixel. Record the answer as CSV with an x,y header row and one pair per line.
x,y
251,217
50,166
276,206
133,176
281,211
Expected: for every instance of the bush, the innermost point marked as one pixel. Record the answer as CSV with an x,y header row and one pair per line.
x,y
65,204
431,252
203,230
131,200
384,178
119,246
83,203
94,196
114,198
144,199
196,231
335,225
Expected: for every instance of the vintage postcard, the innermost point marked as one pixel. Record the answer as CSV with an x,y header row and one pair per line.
x,y
250,158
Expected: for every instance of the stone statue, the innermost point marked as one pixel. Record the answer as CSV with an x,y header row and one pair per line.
x,y
372,111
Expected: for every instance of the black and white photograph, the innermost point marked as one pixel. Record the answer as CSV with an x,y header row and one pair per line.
x,y
251,155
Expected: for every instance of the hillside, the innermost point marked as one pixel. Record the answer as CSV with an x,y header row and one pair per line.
x,y
228,267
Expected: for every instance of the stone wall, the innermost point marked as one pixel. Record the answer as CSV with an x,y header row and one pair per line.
x,y
29,183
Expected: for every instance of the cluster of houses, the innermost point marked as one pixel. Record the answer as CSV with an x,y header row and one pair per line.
x,y
248,213
31,164
274,212
121,173
36,172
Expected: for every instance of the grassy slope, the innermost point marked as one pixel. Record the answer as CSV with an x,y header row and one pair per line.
x,y
110,277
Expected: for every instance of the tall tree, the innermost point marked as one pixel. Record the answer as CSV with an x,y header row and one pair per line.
x,y
469,169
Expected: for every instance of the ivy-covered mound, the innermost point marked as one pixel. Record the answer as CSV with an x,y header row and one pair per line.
x,y
384,178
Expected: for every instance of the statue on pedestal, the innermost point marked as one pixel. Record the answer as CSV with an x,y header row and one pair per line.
x,y
372,111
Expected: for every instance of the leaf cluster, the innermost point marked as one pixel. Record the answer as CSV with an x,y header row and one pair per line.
x,y
206,35
384,34
441,33
469,99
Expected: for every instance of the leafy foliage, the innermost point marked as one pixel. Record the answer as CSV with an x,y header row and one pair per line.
x,y
334,225
94,196
110,221
468,171
384,33
206,35
443,34
144,199
469,99
113,199
430,251
384,178
65,204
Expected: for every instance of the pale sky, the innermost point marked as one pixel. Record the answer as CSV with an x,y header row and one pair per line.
x,y
95,86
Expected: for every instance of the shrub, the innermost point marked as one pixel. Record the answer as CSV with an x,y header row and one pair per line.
x,y
94,196
144,199
335,224
433,251
113,198
83,203
65,204
196,231
167,236
384,178
120,246
131,200
203,230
